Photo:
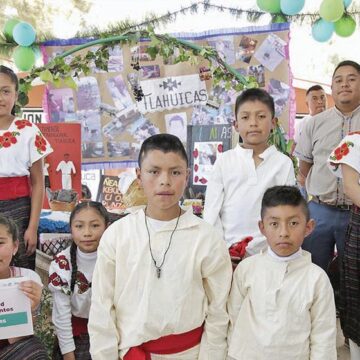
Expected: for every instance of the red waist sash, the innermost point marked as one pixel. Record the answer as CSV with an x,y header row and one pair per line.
x,y
79,325
170,344
14,187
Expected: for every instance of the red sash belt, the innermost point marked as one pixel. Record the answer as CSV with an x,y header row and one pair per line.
x,y
14,187
79,325
170,344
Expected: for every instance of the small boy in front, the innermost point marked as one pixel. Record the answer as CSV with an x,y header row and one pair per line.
x,y
163,275
281,305
240,176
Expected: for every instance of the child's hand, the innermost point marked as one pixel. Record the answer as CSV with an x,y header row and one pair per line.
x,y
30,239
69,356
33,291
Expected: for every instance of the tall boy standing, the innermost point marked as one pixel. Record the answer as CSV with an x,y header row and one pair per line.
x,y
163,275
241,175
281,305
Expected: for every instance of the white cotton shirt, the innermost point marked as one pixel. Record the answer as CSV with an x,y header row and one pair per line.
x,y
21,149
66,304
281,310
235,190
130,305
66,167
299,124
27,273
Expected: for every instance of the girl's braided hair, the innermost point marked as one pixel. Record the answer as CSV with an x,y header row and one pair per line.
x,y
79,207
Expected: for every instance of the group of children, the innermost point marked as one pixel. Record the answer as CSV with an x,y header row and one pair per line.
x,y
158,284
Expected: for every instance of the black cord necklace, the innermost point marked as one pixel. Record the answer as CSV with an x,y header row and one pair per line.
x,y
158,267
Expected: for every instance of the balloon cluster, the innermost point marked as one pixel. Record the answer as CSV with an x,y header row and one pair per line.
x,y
24,35
333,16
333,19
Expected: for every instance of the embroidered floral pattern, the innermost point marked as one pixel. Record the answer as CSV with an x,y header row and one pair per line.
x,y
63,262
82,283
8,138
341,151
21,124
40,143
56,280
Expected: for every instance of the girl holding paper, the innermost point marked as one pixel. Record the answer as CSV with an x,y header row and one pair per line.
x,y
25,347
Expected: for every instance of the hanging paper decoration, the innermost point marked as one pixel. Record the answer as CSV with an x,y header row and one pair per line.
x,y
271,6
331,10
322,30
279,18
345,26
24,34
291,7
8,29
24,58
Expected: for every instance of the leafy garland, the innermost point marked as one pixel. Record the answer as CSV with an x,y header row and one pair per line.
x,y
61,74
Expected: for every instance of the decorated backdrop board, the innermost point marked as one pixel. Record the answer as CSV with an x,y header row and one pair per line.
x,y
178,98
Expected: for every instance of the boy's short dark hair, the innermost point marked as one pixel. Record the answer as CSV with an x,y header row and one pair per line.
x,y
255,95
354,64
314,88
284,195
165,143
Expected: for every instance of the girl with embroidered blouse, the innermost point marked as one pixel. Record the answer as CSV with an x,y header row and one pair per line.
x,y
22,150
70,277
344,161
25,347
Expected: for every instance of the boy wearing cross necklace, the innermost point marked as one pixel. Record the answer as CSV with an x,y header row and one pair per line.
x,y
163,275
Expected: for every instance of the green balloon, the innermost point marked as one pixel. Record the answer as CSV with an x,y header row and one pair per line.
x,y
271,6
345,26
24,58
279,18
8,29
332,10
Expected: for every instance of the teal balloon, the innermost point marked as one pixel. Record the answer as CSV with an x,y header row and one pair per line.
x,y
322,30
271,6
332,10
291,7
8,29
24,58
24,34
347,3
345,27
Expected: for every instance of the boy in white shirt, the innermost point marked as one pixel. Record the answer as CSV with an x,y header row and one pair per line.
x,y
281,305
240,176
162,275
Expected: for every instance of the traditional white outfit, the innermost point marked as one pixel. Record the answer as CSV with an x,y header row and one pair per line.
x,y
67,305
20,147
131,305
66,168
281,310
235,189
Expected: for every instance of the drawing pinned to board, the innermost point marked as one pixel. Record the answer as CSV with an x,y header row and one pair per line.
x,y
225,48
280,93
176,125
90,125
123,149
93,150
61,107
246,49
271,52
119,93
204,155
208,115
150,71
258,72
88,94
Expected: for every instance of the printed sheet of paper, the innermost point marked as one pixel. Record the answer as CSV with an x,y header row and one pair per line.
x,y
15,310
